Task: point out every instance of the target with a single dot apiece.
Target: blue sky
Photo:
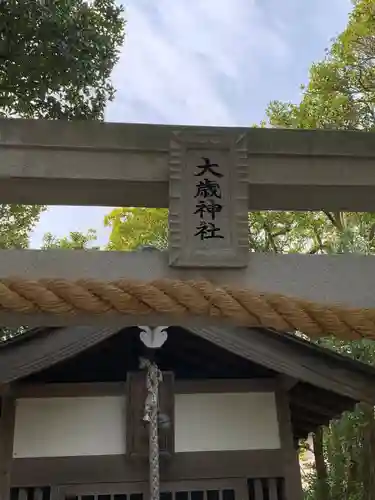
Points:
(207, 62)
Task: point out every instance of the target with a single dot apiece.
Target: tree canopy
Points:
(133, 227)
(56, 57)
(75, 241)
(16, 222)
(341, 89)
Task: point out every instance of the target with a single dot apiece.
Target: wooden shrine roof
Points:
(322, 384)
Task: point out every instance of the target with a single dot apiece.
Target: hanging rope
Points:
(182, 299)
(153, 379)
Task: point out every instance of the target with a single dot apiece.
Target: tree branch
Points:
(270, 237)
(330, 218)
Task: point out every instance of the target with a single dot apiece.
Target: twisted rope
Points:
(153, 379)
(184, 298)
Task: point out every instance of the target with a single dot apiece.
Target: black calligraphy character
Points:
(208, 167)
(207, 231)
(207, 188)
(209, 207)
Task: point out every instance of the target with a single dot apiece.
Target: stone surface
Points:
(116, 164)
(344, 279)
(208, 214)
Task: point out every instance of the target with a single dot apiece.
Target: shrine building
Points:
(234, 402)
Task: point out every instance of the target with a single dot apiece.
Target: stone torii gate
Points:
(209, 178)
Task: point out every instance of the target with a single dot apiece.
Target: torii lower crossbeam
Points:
(345, 280)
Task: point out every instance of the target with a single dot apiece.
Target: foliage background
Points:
(56, 63)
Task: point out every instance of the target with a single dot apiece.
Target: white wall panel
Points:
(218, 422)
(83, 426)
(72, 426)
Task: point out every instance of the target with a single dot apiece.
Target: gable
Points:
(321, 384)
(187, 355)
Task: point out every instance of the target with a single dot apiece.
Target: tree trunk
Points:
(368, 452)
(322, 488)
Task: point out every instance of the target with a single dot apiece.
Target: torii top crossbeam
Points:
(209, 178)
(110, 164)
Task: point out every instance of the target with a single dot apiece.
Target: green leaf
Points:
(56, 59)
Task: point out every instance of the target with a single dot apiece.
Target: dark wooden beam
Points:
(321, 408)
(68, 390)
(7, 416)
(137, 445)
(292, 475)
(117, 468)
(297, 359)
(48, 348)
(288, 382)
(312, 419)
(95, 389)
